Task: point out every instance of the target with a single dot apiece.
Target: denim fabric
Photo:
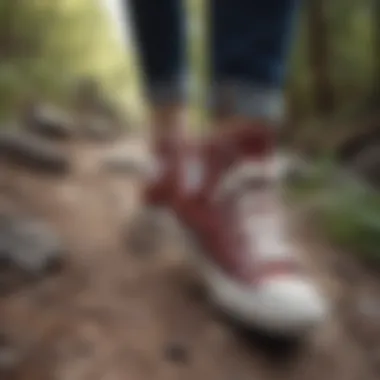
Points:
(249, 42)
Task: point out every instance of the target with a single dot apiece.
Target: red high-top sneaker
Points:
(229, 200)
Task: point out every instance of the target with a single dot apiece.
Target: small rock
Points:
(36, 247)
(364, 330)
(10, 356)
(347, 269)
(375, 356)
(177, 352)
(33, 153)
(50, 122)
(29, 244)
(146, 234)
(196, 292)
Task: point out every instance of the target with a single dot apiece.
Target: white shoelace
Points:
(266, 230)
(268, 235)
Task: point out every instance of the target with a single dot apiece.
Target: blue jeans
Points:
(249, 43)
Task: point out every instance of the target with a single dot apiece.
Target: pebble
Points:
(29, 244)
(177, 352)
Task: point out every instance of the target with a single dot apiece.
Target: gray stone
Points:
(35, 246)
(50, 122)
(177, 352)
(32, 153)
(29, 245)
(149, 232)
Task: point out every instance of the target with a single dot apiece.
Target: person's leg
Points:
(159, 32)
(251, 41)
(235, 210)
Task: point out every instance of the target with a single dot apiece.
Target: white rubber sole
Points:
(285, 306)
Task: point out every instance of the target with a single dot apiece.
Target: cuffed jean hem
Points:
(166, 93)
(255, 102)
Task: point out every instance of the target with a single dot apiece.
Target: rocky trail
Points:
(106, 312)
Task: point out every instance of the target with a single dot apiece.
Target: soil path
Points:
(115, 315)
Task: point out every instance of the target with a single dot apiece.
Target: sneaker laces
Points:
(248, 184)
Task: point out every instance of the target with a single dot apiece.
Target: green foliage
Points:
(345, 210)
(47, 44)
(351, 217)
(351, 47)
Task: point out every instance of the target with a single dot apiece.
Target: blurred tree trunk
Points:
(322, 89)
(375, 96)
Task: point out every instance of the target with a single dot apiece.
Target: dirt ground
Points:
(112, 314)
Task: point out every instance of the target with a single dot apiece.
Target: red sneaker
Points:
(229, 200)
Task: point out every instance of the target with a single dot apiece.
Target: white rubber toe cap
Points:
(290, 305)
(287, 305)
